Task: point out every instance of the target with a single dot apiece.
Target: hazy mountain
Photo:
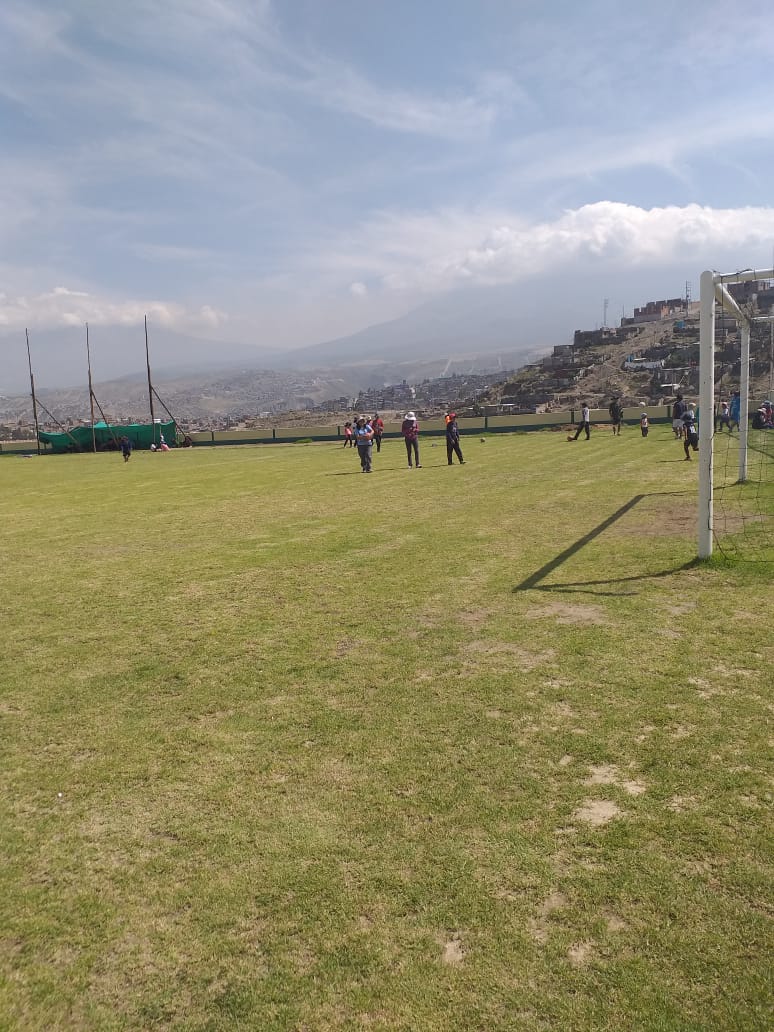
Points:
(478, 322)
(59, 356)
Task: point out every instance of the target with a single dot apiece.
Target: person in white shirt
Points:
(585, 423)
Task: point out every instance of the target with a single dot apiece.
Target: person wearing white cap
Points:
(410, 431)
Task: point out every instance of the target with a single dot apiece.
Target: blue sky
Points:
(285, 172)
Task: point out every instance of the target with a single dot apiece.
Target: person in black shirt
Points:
(690, 433)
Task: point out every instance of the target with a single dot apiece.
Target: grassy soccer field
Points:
(475, 748)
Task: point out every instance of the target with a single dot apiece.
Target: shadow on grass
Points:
(387, 469)
(533, 582)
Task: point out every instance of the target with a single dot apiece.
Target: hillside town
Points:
(648, 357)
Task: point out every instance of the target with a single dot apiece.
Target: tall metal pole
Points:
(32, 388)
(150, 384)
(744, 400)
(706, 422)
(91, 394)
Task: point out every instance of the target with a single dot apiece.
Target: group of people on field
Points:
(362, 433)
(126, 447)
(616, 411)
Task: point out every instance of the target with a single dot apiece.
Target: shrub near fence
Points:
(428, 428)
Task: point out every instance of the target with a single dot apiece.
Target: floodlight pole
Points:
(32, 388)
(706, 413)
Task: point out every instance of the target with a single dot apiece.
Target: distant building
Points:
(653, 311)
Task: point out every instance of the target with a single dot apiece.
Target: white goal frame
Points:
(713, 288)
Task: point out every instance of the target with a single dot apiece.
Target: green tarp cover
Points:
(142, 435)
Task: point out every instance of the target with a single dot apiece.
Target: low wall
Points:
(428, 427)
(20, 448)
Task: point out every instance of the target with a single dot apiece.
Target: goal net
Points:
(736, 420)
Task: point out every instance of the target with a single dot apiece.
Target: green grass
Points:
(444, 749)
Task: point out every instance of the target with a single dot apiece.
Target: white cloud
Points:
(65, 307)
(452, 249)
(358, 289)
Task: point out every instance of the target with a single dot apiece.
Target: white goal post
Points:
(713, 288)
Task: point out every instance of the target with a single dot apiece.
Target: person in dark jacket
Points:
(126, 448)
(690, 432)
(453, 439)
(410, 431)
(616, 415)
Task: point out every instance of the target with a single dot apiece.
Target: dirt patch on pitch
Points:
(609, 774)
(539, 926)
(474, 618)
(580, 953)
(514, 655)
(565, 613)
(597, 812)
(453, 951)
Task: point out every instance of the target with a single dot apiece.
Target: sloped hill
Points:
(596, 372)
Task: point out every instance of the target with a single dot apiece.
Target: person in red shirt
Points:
(377, 425)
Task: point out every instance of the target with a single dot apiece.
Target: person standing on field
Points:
(734, 408)
(616, 414)
(126, 448)
(364, 437)
(410, 430)
(644, 423)
(377, 425)
(690, 432)
(585, 423)
(678, 411)
(453, 439)
(724, 418)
